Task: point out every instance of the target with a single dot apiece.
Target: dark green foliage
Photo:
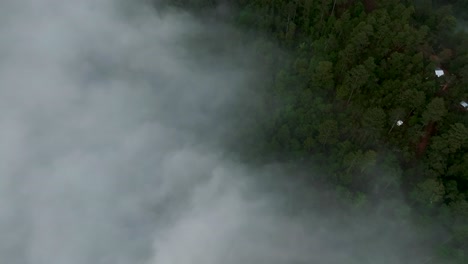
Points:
(356, 68)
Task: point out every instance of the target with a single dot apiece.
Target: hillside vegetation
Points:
(355, 93)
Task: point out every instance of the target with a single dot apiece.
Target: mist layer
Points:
(111, 121)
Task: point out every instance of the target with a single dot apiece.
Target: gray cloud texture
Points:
(111, 118)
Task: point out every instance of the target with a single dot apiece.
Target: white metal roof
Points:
(439, 72)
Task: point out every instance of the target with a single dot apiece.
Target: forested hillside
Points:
(355, 92)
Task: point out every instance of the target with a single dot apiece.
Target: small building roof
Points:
(439, 72)
(464, 104)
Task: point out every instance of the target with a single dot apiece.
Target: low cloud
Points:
(112, 119)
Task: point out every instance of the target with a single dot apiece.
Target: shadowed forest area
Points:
(352, 92)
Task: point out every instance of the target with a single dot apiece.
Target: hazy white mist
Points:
(111, 118)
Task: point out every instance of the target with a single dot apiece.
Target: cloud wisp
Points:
(110, 124)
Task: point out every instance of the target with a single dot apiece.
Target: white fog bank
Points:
(110, 119)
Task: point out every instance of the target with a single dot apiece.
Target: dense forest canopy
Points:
(355, 92)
